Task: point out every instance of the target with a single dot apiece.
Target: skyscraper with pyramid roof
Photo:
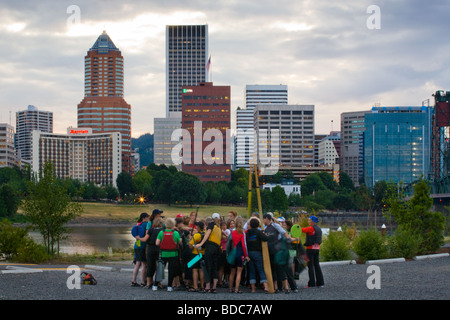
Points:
(104, 108)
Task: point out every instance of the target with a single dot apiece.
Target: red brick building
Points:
(103, 108)
(206, 116)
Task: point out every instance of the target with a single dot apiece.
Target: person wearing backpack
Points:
(185, 252)
(312, 243)
(152, 250)
(169, 242)
(137, 231)
(278, 252)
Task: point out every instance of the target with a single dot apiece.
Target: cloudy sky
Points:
(323, 50)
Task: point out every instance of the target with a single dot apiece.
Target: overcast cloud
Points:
(322, 50)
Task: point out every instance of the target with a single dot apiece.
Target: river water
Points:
(91, 239)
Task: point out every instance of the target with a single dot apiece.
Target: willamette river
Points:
(91, 239)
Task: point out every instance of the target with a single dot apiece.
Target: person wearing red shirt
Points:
(239, 242)
(312, 243)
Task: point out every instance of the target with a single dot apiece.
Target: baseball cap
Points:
(314, 219)
(180, 215)
(157, 211)
(281, 219)
(215, 215)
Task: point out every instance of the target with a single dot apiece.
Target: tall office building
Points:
(79, 154)
(397, 144)
(289, 141)
(7, 150)
(206, 117)
(329, 149)
(186, 60)
(254, 96)
(352, 128)
(27, 121)
(162, 140)
(186, 65)
(103, 108)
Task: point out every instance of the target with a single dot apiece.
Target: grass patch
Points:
(118, 255)
(121, 212)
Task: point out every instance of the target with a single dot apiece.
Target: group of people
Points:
(202, 255)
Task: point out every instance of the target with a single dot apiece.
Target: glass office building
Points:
(397, 144)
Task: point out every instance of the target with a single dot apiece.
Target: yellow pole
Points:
(250, 192)
(265, 248)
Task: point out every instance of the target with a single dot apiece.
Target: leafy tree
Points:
(111, 192)
(9, 201)
(345, 182)
(416, 215)
(328, 180)
(294, 200)
(312, 183)
(325, 198)
(162, 185)
(238, 195)
(142, 183)
(187, 188)
(124, 183)
(343, 200)
(212, 195)
(49, 207)
(89, 191)
(224, 190)
(279, 199)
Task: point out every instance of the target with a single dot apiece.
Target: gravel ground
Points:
(411, 280)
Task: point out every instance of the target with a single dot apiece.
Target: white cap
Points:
(281, 219)
(215, 215)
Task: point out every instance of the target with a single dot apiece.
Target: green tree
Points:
(224, 190)
(161, 186)
(187, 188)
(9, 201)
(49, 207)
(124, 183)
(142, 183)
(238, 195)
(328, 180)
(279, 199)
(111, 192)
(416, 215)
(345, 182)
(312, 183)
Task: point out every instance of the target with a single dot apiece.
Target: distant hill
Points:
(145, 145)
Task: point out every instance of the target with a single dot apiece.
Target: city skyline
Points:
(325, 53)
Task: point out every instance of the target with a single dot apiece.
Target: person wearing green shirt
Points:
(169, 242)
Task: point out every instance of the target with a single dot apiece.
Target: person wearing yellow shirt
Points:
(197, 270)
(212, 240)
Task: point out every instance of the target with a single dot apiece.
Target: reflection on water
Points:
(88, 240)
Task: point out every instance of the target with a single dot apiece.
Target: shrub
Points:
(335, 247)
(404, 243)
(17, 245)
(369, 245)
(11, 237)
(31, 252)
